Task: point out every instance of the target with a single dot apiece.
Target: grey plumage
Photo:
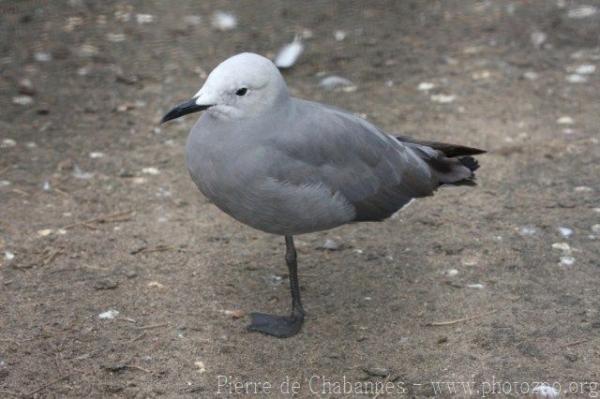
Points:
(289, 166)
(309, 167)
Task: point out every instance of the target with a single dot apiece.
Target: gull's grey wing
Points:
(347, 155)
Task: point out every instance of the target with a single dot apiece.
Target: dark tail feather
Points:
(470, 163)
(449, 150)
(452, 164)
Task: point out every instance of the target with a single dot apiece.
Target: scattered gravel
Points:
(289, 54)
(337, 82)
(109, 314)
(224, 21)
(329, 245)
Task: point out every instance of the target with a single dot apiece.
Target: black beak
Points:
(183, 109)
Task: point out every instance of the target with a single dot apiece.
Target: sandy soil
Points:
(476, 286)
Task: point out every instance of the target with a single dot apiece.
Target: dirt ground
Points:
(494, 288)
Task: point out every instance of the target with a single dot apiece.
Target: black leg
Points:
(283, 326)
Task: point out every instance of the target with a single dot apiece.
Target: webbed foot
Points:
(277, 326)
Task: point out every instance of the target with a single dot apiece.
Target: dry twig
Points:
(158, 248)
(112, 218)
(569, 344)
(451, 322)
(51, 254)
(142, 335)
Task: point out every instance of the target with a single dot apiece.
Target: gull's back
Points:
(373, 171)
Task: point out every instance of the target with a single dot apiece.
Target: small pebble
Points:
(41, 56)
(200, 365)
(307, 34)
(538, 38)
(567, 260)
(131, 273)
(334, 82)
(79, 174)
(585, 69)
(30, 144)
(565, 231)
(155, 284)
(46, 186)
(476, 286)
(235, 314)
(583, 11)
(472, 261)
(7, 143)
(115, 37)
(87, 50)
(144, 18)
(451, 272)
(527, 231)
(151, 171)
(109, 314)
(481, 75)
(289, 54)
(596, 229)
(106, 284)
(9, 255)
(139, 180)
(22, 100)
(531, 75)
(544, 391)
(561, 246)
(26, 87)
(443, 98)
(339, 35)
(425, 86)
(576, 78)
(44, 232)
(583, 189)
(4, 183)
(224, 21)
(330, 245)
(565, 120)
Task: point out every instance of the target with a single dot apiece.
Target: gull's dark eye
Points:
(241, 92)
